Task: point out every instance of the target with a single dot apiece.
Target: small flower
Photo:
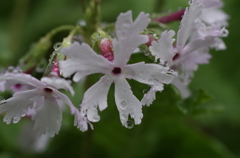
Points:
(43, 98)
(184, 56)
(82, 61)
(212, 13)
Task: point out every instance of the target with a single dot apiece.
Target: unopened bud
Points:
(177, 16)
(150, 39)
(106, 49)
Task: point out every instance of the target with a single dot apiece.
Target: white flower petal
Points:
(81, 121)
(66, 100)
(209, 3)
(149, 97)
(96, 96)
(17, 106)
(163, 48)
(214, 16)
(48, 117)
(83, 59)
(20, 78)
(151, 74)
(58, 83)
(182, 87)
(127, 103)
(2, 86)
(128, 38)
(187, 23)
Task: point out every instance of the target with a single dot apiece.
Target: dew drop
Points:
(2, 100)
(11, 69)
(145, 91)
(23, 114)
(96, 118)
(130, 124)
(15, 119)
(57, 46)
(123, 105)
(146, 53)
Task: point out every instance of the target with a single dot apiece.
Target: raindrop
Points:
(11, 69)
(23, 114)
(2, 100)
(96, 118)
(57, 46)
(51, 134)
(123, 105)
(130, 124)
(6, 120)
(15, 119)
(146, 53)
(190, 2)
(145, 91)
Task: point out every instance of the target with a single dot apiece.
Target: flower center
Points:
(48, 90)
(176, 56)
(116, 70)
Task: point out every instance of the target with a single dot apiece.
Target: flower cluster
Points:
(109, 54)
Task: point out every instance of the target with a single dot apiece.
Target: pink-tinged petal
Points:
(149, 97)
(58, 83)
(66, 100)
(17, 106)
(29, 140)
(163, 48)
(188, 23)
(81, 121)
(20, 78)
(128, 38)
(48, 117)
(209, 3)
(182, 87)
(82, 58)
(192, 60)
(151, 74)
(127, 103)
(96, 96)
(214, 16)
(2, 86)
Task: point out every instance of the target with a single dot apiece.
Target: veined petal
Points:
(127, 103)
(96, 96)
(187, 23)
(163, 48)
(151, 74)
(128, 38)
(83, 59)
(58, 83)
(48, 117)
(209, 3)
(17, 106)
(81, 121)
(182, 87)
(66, 100)
(20, 78)
(214, 16)
(149, 97)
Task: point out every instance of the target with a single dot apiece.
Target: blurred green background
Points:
(165, 132)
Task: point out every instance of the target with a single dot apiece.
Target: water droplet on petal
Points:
(15, 119)
(96, 118)
(123, 105)
(146, 53)
(2, 100)
(23, 114)
(10, 69)
(57, 46)
(145, 91)
(130, 124)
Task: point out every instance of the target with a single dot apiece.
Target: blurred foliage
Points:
(210, 128)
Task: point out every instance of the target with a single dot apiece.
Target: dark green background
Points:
(165, 132)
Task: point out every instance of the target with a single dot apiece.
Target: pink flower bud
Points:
(106, 49)
(177, 16)
(150, 39)
(55, 69)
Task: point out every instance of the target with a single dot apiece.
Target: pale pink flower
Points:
(43, 98)
(83, 61)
